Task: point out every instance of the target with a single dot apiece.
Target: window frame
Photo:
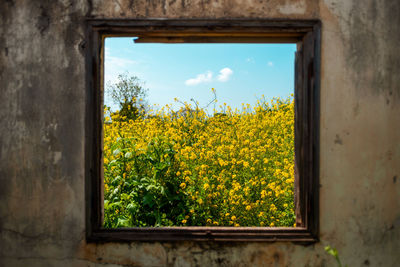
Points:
(307, 35)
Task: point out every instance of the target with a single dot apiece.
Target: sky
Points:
(240, 73)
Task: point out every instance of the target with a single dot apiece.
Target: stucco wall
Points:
(42, 104)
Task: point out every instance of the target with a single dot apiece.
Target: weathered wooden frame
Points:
(306, 33)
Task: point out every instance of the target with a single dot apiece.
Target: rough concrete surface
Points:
(42, 109)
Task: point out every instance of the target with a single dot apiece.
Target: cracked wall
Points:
(42, 104)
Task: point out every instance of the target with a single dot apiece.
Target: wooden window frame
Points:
(305, 33)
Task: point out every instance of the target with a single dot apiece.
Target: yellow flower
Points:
(184, 221)
(219, 155)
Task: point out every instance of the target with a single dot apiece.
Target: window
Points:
(198, 134)
(303, 33)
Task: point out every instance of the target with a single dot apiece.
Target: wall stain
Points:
(131, 2)
(356, 109)
(10, 2)
(43, 21)
(338, 140)
(370, 61)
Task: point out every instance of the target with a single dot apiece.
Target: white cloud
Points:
(224, 74)
(116, 65)
(200, 78)
(270, 63)
(250, 60)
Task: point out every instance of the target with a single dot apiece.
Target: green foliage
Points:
(335, 254)
(130, 95)
(146, 194)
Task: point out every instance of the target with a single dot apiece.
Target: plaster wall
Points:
(42, 107)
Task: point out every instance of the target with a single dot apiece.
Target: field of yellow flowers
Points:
(188, 168)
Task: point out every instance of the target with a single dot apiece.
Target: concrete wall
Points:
(42, 103)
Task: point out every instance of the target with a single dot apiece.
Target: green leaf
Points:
(115, 205)
(331, 251)
(144, 180)
(152, 160)
(156, 174)
(148, 200)
(149, 187)
(116, 152)
(116, 181)
(131, 208)
(122, 222)
(106, 204)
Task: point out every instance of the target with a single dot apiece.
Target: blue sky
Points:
(240, 73)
